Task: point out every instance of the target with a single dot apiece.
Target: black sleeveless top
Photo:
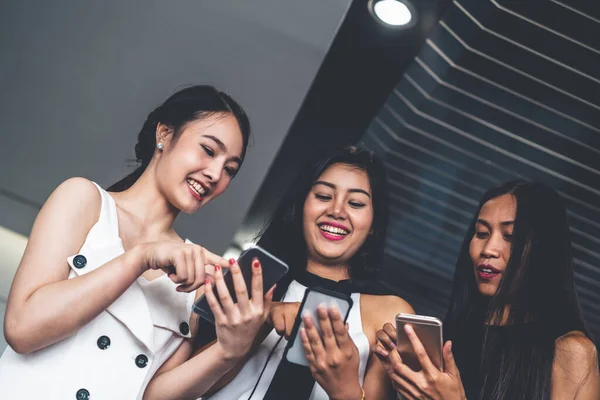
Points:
(479, 376)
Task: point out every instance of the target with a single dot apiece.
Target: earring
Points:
(159, 146)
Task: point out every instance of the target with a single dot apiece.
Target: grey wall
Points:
(78, 79)
(2, 340)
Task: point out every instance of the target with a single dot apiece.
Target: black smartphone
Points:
(273, 269)
(314, 297)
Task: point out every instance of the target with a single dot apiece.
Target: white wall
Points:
(12, 246)
(79, 78)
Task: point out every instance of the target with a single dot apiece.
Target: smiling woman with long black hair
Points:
(514, 320)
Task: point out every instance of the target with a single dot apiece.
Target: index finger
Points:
(420, 351)
(390, 330)
(213, 259)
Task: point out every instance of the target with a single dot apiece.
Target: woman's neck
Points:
(332, 272)
(145, 205)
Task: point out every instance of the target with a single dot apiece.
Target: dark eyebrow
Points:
(331, 185)
(222, 147)
(487, 224)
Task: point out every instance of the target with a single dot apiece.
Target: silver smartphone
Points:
(429, 331)
(294, 351)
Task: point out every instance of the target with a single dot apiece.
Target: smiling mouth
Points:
(487, 272)
(332, 232)
(197, 189)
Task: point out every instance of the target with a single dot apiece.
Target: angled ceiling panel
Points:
(500, 90)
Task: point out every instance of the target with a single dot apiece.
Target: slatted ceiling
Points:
(500, 90)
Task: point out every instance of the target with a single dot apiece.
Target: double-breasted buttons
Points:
(141, 361)
(103, 342)
(79, 261)
(82, 394)
(184, 328)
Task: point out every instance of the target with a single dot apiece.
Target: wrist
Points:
(352, 392)
(226, 356)
(135, 258)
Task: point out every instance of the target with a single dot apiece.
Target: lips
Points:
(197, 189)
(333, 231)
(487, 271)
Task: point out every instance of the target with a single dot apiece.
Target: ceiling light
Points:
(397, 13)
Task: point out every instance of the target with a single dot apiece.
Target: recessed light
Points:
(395, 13)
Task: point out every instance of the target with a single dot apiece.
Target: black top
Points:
(474, 371)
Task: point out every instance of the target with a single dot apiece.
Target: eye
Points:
(508, 237)
(481, 235)
(210, 152)
(323, 197)
(356, 204)
(230, 171)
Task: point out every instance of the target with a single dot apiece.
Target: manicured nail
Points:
(306, 317)
(408, 329)
(217, 267)
(206, 281)
(231, 261)
(255, 264)
(382, 351)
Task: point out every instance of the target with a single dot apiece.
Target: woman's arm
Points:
(281, 318)
(378, 311)
(45, 307)
(575, 369)
(236, 324)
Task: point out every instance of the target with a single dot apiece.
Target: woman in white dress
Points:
(330, 229)
(103, 293)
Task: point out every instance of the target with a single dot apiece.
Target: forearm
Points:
(233, 372)
(56, 310)
(191, 379)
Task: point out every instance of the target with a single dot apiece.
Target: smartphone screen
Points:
(294, 352)
(273, 269)
(429, 331)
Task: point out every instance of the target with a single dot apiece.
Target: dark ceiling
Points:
(499, 90)
(493, 91)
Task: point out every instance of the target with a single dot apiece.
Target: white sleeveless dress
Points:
(242, 385)
(117, 353)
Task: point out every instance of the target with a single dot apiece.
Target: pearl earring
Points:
(160, 146)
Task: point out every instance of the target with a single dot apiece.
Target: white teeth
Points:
(196, 186)
(333, 229)
(486, 270)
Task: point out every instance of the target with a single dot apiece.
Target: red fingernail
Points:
(231, 261)
(255, 264)
(217, 267)
(206, 281)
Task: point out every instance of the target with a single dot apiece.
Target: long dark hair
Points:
(183, 107)
(538, 310)
(283, 233)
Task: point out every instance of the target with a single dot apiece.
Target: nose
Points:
(491, 248)
(213, 171)
(337, 210)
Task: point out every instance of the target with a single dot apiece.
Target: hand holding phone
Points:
(237, 323)
(273, 269)
(429, 332)
(294, 351)
(415, 364)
